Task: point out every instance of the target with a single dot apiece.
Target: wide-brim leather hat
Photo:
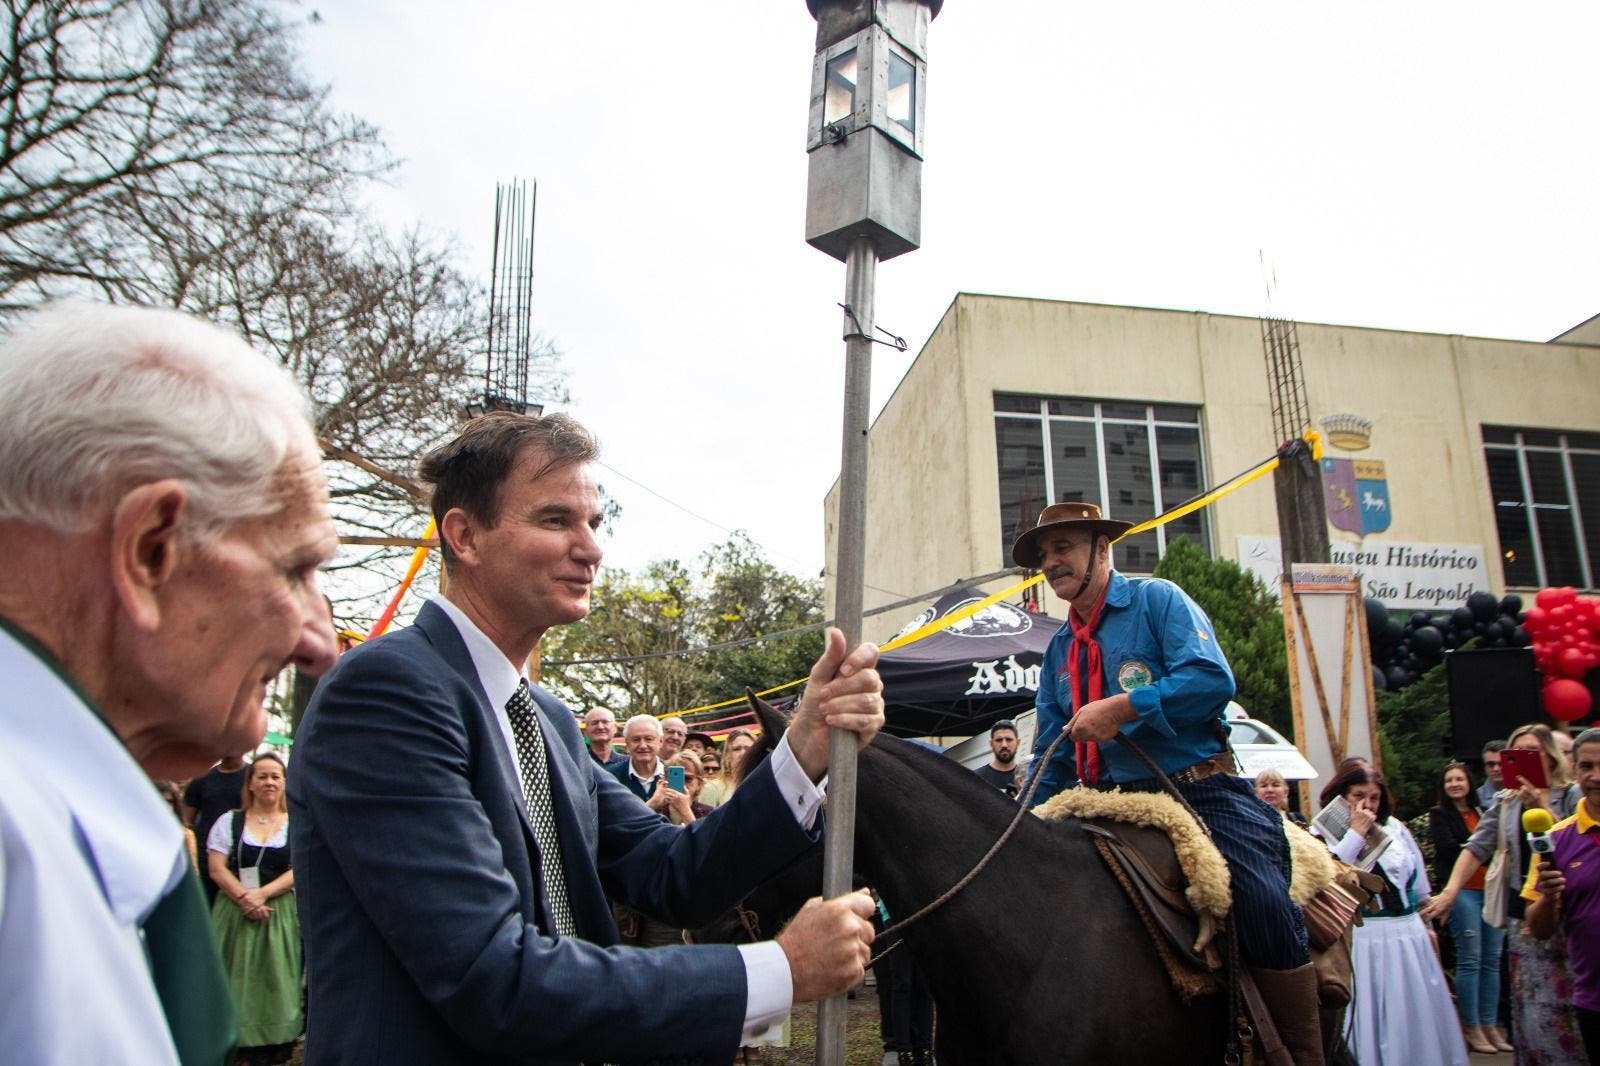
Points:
(1075, 515)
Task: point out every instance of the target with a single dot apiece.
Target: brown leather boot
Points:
(1291, 998)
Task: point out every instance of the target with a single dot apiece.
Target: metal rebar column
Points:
(861, 266)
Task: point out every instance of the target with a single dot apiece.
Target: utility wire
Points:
(718, 525)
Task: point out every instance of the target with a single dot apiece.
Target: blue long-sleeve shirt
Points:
(1157, 645)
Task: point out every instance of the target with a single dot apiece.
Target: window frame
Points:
(1043, 417)
(1495, 440)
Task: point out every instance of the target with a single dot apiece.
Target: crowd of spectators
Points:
(1401, 1012)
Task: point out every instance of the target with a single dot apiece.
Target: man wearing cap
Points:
(1138, 658)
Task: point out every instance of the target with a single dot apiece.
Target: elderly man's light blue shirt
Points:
(87, 850)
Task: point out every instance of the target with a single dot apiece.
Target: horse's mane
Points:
(904, 763)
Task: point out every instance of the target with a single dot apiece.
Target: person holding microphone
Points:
(1563, 886)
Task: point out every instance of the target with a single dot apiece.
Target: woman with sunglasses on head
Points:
(1544, 1028)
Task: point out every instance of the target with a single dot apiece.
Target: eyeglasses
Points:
(712, 765)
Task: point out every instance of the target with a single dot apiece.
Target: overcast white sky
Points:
(1426, 166)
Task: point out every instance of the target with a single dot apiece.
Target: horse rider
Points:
(1139, 658)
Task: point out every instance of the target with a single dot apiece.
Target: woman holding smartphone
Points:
(1545, 1029)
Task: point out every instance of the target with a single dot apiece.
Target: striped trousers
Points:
(1249, 833)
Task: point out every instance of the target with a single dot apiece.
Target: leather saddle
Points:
(1144, 863)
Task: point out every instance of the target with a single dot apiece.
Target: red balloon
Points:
(1571, 662)
(1548, 598)
(1535, 619)
(1562, 614)
(1566, 700)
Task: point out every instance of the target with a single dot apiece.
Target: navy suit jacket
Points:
(426, 927)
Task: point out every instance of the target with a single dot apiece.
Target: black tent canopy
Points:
(965, 677)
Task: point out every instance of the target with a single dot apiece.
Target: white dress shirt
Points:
(87, 849)
(769, 984)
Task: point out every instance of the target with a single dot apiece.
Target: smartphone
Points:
(675, 778)
(1523, 762)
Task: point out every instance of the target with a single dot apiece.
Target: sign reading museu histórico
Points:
(1404, 575)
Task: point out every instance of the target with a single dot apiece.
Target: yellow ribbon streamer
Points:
(1261, 470)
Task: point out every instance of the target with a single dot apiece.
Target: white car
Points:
(1260, 747)
(1256, 744)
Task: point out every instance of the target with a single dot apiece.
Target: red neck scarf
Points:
(1091, 678)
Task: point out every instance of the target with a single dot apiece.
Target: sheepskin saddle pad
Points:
(1172, 873)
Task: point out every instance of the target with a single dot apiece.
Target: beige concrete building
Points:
(1483, 469)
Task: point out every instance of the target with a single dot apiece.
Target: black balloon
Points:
(1494, 632)
(1419, 618)
(1451, 640)
(1377, 618)
(1512, 605)
(1483, 606)
(1395, 633)
(1519, 638)
(1462, 619)
(1379, 682)
(1427, 641)
(1396, 677)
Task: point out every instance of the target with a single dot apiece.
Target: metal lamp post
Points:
(863, 204)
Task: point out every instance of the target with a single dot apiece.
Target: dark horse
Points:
(1041, 959)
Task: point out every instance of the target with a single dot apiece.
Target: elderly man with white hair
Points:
(644, 770)
(162, 519)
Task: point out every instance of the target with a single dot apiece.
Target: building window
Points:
(1546, 487)
(1133, 459)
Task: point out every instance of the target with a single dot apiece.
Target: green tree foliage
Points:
(1414, 736)
(735, 595)
(1248, 623)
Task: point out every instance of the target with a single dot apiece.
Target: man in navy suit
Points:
(455, 844)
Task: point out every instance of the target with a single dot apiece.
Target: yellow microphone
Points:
(1536, 822)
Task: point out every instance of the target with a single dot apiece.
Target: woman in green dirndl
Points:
(257, 925)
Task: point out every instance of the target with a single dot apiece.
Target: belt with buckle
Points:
(1220, 763)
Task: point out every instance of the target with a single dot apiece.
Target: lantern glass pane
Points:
(902, 92)
(839, 88)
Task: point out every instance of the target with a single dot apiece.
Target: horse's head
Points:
(772, 722)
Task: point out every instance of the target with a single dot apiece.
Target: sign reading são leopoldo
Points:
(1405, 576)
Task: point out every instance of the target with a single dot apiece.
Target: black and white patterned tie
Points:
(535, 764)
